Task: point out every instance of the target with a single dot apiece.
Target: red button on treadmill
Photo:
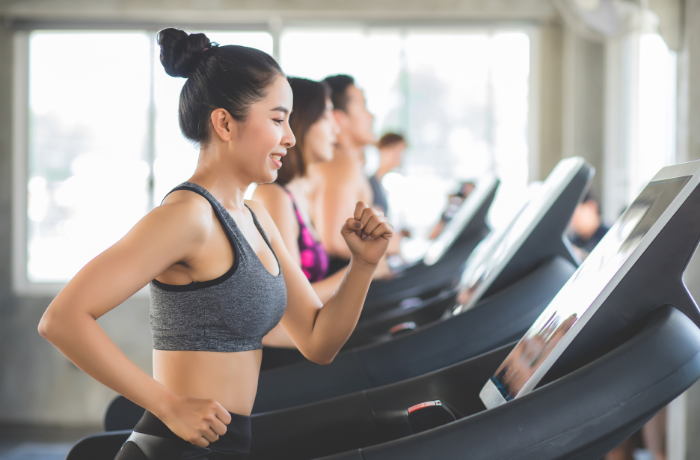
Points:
(424, 405)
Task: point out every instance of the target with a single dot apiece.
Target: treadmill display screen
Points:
(576, 297)
(478, 267)
(487, 261)
(454, 228)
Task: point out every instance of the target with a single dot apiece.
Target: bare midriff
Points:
(229, 378)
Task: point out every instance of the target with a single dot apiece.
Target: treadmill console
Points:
(591, 285)
(494, 253)
(482, 195)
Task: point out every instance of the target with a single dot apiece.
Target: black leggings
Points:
(153, 440)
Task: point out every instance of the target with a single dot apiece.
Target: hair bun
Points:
(180, 52)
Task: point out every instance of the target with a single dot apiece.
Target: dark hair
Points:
(339, 90)
(309, 104)
(227, 77)
(590, 196)
(390, 139)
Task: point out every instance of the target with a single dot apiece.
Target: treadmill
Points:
(503, 257)
(544, 263)
(616, 344)
(426, 281)
(444, 259)
(529, 265)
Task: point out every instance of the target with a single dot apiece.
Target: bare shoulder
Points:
(264, 218)
(261, 213)
(186, 211)
(271, 193)
(275, 201)
(341, 167)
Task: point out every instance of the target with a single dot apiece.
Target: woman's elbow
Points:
(322, 359)
(45, 326)
(48, 325)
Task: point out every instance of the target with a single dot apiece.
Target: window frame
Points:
(21, 285)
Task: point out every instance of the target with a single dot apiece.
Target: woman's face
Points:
(320, 139)
(263, 139)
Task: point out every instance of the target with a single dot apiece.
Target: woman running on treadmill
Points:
(288, 198)
(287, 202)
(221, 277)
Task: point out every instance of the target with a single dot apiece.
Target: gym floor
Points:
(19, 442)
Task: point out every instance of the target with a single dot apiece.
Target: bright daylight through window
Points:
(460, 97)
(104, 124)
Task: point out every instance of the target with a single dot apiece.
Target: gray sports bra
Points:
(230, 313)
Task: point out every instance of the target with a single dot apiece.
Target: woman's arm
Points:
(325, 288)
(166, 235)
(319, 333)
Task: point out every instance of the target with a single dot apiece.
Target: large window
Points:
(104, 144)
(88, 139)
(656, 112)
(461, 97)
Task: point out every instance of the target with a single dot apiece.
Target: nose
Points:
(288, 139)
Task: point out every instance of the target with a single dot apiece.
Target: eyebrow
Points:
(280, 109)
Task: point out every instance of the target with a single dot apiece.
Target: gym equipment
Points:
(506, 255)
(617, 343)
(426, 280)
(445, 258)
(544, 264)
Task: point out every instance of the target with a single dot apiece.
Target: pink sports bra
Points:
(314, 258)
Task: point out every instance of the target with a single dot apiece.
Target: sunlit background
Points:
(108, 124)
(90, 142)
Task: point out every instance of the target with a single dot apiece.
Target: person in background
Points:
(651, 436)
(341, 182)
(391, 147)
(287, 202)
(287, 199)
(454, 201)
(587, 225)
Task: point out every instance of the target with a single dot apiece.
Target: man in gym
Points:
(338, 184)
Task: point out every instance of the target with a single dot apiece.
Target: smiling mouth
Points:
(276, 157)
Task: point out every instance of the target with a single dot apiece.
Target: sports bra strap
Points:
(261, 230)
(214, 204)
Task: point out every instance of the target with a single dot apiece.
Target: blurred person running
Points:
(391, 147)
(341, 182)
(287, 201)
(587, 225)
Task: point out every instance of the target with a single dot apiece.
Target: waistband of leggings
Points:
(235, 440)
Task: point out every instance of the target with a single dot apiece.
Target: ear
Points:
(341, 118)
(224, 124)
